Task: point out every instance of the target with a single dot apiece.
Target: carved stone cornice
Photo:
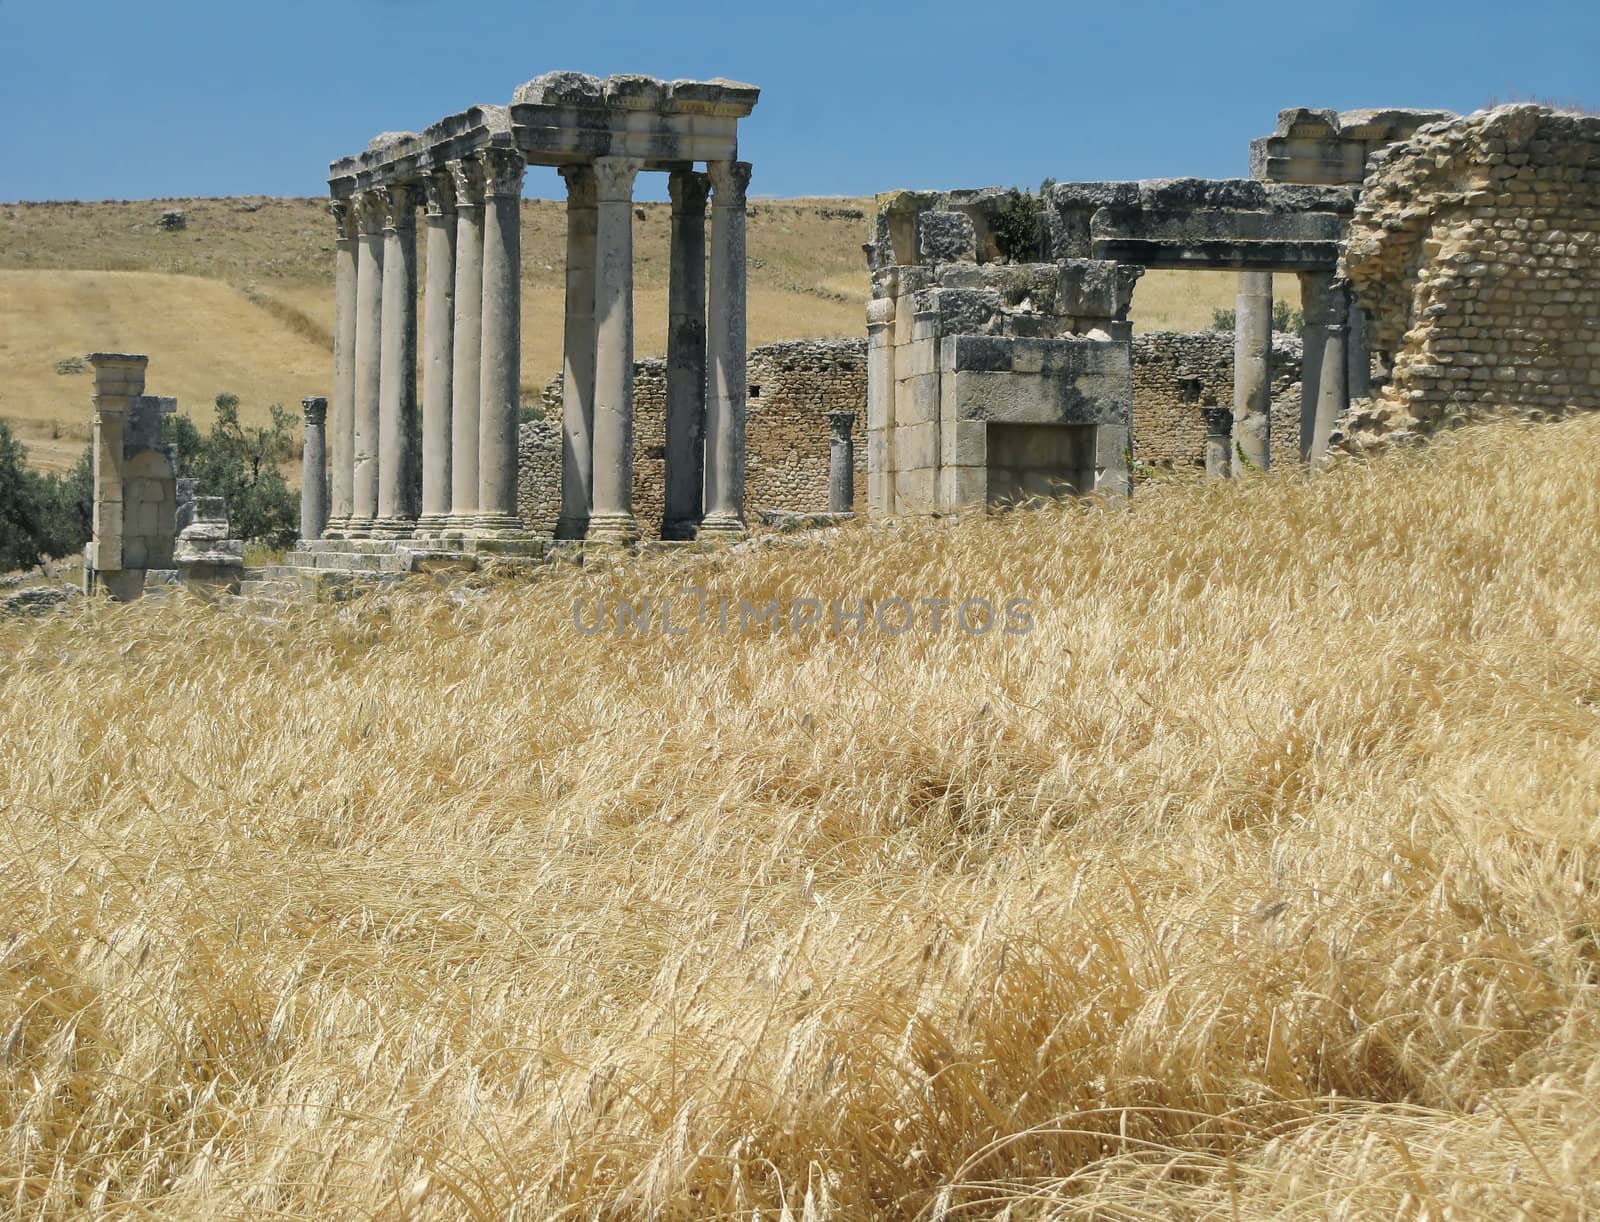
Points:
(689, 190)
(502, 171)
(730, 180)
(467, 177)
(614, 177)
(439, 192)
(580, 182)
(369, 209)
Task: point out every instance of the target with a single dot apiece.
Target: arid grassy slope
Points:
(242, 298)
(1261, 879)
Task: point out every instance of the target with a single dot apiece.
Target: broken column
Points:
(725, 353)
(1252, 373)
(686, 358)
(841, 462)
(612, 520)
(1219, 427)
(500, 362)
(314, 468)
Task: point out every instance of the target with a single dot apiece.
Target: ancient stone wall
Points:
(1177, 373)
(1476, 252)
(793, 387)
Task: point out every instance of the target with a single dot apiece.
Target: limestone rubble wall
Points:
(1177, 373)
(1475, 250)
(793, 386)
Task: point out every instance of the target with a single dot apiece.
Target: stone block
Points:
(947, 237)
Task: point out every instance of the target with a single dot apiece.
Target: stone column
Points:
(314, 469)
(397, 412)
(1318, 310)
(466, 345)
(342, 442)
(880, 404)
(725, 352)
(611, 520)
(1252, 373)
(683, 504)
(1359, 380)
(1219, 427)
(1333, 388)
(438, 342)
(841, 462)
(577, 374)
(500, 353)
(368, 351)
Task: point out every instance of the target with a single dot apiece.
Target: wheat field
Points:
(1260, 879)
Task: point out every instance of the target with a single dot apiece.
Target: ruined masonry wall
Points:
(1177, 373)
(1476, 251)
(793, 387)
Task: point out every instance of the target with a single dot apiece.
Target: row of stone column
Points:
(471, 361)
(1333, 367)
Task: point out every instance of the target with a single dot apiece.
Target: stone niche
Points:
(990, 382)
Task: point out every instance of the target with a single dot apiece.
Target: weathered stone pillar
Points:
(1333, 387)
(341, 443)
(118, 378)
(1359, 379)
(500, 359)
(1318, 309)
(397, 412)
(725, 352)
(841, 462)
(683, 504)
(368, 353)
(880, 405)
(314, 468)
(438, 338)
(1252, 373)
(577, 375)
(1219, 427)
(611, 520)
(467, 345)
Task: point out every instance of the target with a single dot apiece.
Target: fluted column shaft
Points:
(500, 360)
(467, 342)
(577, 377)
(342, 422)
(1252, 373)
(438, 337)
(684, 495)
(612, 520)
(314, 468)
(397, 413)
(725, 352)
(367, 375)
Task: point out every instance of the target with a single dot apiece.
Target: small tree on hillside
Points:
(19, 506)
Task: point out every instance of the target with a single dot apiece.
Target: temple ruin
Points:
(454, 479)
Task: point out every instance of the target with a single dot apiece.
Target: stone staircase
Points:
(342, 569)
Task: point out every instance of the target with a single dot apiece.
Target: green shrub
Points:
(241, 465)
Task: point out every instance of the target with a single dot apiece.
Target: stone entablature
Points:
(466, 173)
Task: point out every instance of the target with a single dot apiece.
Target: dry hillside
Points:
(241, 300)
(1261, 879)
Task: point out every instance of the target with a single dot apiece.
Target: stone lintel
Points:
(1220, 254)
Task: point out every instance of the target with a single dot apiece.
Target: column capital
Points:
(614, 178)
(729, 181)
(503, 169)
(581, 186)
(370, 207)
(841, 423)
(439, 194)
(400, 200)
(314, 409)
(466, 176)
(689, 190)
(343, 212)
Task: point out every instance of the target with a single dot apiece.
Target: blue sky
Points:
(140, 98)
